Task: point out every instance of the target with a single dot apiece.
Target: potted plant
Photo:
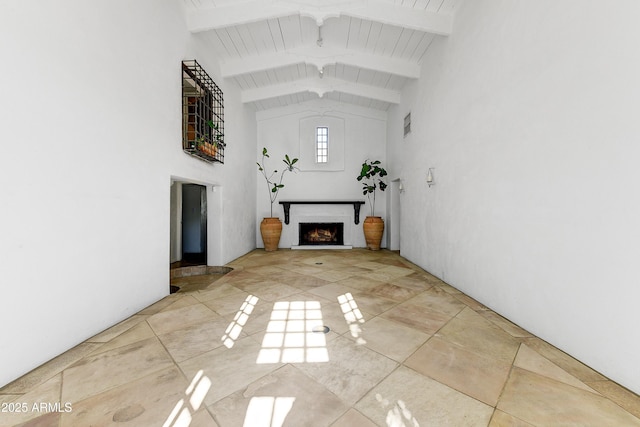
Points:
(271, 227)
(371, 176)
(209, 143)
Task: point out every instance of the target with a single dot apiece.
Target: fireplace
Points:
(321, 233)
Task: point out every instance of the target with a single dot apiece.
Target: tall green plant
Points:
(371, 176)
(272, 185)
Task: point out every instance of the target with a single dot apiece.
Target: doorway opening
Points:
(195, 230)
(194, 224)
(188, 238)
(188, 233)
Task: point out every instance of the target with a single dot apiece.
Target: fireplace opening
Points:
(321, 233)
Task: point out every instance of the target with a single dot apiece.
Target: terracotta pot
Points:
(271, 228)
(373, 228)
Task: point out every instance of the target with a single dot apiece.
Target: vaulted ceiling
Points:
(282, 52)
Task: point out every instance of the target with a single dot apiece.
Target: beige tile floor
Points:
(403, 349)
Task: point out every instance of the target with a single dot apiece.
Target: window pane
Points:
(322, 144)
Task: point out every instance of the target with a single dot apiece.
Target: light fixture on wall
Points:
(400, 186)
(430, 180)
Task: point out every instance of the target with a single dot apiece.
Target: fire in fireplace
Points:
(319, 233)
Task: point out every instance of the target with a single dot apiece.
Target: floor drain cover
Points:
(323, 329)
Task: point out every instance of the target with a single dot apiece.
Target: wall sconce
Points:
(400, 186)
(430, 180)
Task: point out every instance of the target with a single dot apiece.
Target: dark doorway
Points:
(194, 224)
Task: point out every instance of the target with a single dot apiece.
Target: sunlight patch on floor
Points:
(398, 415)
(232, 332)
(290, 336)
(352, 315)
(182, 413)
(268, 411)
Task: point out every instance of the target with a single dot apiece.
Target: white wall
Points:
(90, 141)
(364, 138)
(528, 113)
(175, 226)
(231, 214)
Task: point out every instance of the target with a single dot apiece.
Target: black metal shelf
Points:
(356, 206)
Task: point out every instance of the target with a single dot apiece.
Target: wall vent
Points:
(407, 124)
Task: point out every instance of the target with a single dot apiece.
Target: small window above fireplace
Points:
(322, 144)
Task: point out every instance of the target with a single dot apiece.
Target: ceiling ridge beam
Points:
(237, 14)
(320, 57)
(414, 19)
(320, 87)
(204, 19)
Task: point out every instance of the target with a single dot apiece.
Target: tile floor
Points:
(403, 349)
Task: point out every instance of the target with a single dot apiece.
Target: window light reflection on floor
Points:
(232, 332)
(352, 315)
(268, 411)
(399, 415)
(183, 413)
(290, 336)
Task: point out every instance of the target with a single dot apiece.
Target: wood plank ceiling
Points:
(283, 52)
